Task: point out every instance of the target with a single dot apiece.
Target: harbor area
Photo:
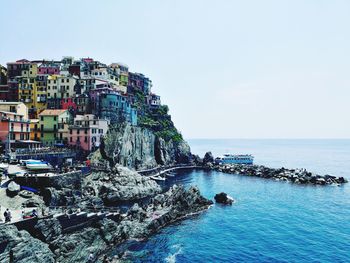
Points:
(23, 184)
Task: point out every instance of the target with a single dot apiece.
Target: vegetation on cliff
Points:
(157, 119)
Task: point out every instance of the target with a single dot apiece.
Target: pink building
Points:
(86, 132)
(13, 126)
(49, 69)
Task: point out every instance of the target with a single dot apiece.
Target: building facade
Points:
(54, 126)
(14, 123)
(86, 132)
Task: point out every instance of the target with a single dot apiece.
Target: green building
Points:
(54, 126)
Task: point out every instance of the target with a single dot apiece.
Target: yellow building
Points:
(34, 130)
(27, 88)
(40, 94)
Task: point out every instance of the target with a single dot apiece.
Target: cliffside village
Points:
(67, 103)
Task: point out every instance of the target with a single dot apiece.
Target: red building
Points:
(68, 104)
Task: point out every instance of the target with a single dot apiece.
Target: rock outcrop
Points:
(208, 158)
(223, 198)
(105, 234)
(21, 247)
(139, 148)
(119, 184)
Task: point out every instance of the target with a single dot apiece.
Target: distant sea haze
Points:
(271, 221)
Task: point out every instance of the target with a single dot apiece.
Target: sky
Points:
(227, 69)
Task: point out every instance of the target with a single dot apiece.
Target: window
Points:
(55, 118)
(85, 139)
(101, 130)
(71, 139)
(70, 131)
(86, 131)
(78, 131)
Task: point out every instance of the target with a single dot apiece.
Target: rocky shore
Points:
(51, 243)
(297, 176)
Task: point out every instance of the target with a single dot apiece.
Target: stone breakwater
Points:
(297, 176)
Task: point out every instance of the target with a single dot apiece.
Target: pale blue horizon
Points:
(227, 69)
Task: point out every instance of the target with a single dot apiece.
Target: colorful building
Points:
(40, 96)
(116, 108)
(123, 71)
(34, 130)
(22, 67)
(16, 107)
(59, 87)
(83, 104)
(139, 82)
(14, 123)
(49, 68)
(54, 126)
(86, 132)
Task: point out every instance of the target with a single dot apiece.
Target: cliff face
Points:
(138, 148)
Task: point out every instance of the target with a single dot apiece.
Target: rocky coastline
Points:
(51, 243)
(49, 240)
(296, 176)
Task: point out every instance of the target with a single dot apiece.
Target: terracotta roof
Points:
(52, 112)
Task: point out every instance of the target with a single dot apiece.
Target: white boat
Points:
(157, 178)
(235, 159)
(36, 165)
(39, 166)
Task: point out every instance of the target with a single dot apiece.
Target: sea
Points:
(271, 221)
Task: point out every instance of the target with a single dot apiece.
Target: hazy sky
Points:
(227, 69)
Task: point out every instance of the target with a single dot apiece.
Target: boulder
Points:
(48, 229)
(23, 247)
(223, 198)
(123, 184)
(13, 189)
(208, 158)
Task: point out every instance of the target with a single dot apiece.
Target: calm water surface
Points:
(271, 221)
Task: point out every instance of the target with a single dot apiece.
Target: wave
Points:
(172, 257)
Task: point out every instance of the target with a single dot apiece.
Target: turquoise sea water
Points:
(271, 221)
